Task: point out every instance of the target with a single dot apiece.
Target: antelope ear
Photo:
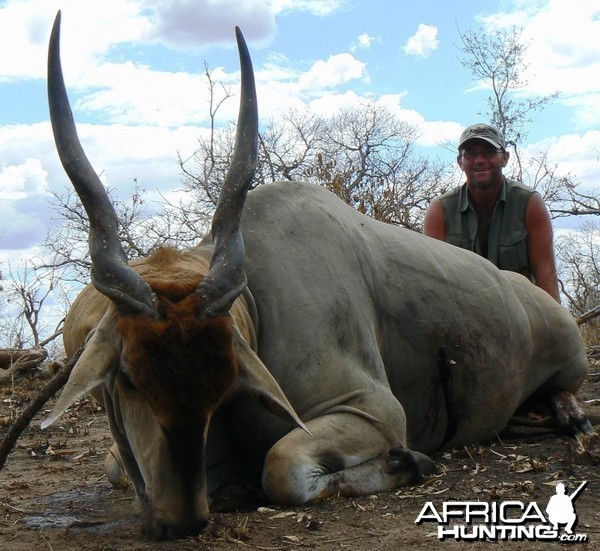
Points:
(256, 380)
(101, 351)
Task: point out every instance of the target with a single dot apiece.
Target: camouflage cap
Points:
(481, 131)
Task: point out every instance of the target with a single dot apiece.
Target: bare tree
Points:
(363, 154)
(290, 147)
(578, 254)
(203, 172)
(28, 291)
(140, 232)
(497, 60)
(369, 160)
(57, 277)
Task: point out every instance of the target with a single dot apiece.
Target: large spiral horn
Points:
(111, 274)
(226, 278)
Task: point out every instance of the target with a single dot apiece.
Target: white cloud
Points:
(146, 115)
(138, 95)
(20, 181)
(24, 221)
(338, 69)
(147, 155)
(23, 204)
(363, 42)
(189, 24)
(123, 91)
(30, 170)
(314, 7)
(330, 104)
(575, 154)
(281, 88)
(586, 109)
(423, 42)
(89, 29)
(138, 115)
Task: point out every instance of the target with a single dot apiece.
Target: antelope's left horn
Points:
(226, 278)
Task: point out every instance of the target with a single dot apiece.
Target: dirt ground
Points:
(54, 496)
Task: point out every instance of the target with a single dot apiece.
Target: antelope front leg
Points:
(569, 415)
(346, 455)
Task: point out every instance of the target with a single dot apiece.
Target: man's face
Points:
(482, 164)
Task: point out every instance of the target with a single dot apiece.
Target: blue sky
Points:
(134, 70)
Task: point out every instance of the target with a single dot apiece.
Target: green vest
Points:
(507, 239)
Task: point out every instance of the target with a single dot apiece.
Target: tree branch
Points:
(22, 422)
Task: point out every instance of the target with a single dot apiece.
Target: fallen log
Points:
(15, 361)
(8, 356)
(590, 314)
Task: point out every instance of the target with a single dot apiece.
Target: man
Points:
(493, 216)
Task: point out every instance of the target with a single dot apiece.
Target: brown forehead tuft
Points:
(183, 366)
(171, 273)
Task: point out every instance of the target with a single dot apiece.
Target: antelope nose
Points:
(161, 531)
(186, 529)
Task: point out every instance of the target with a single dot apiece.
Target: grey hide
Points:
(358, 315)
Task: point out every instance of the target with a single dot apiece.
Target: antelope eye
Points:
(124, 375)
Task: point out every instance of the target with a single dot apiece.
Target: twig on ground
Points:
(22, 422)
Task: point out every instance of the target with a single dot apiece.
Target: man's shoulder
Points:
(451, 192)
(519, 187)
